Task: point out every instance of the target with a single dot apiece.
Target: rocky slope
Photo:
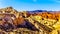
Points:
(29, 22)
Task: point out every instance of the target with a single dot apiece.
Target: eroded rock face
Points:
(8, 24)
(10, 19)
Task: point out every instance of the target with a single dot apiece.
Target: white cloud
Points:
(34, 0)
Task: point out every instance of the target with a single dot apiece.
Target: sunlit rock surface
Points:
(29, 22)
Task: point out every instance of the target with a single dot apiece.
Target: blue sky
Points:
(31, 4)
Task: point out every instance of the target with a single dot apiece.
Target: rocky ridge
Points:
(35, 22)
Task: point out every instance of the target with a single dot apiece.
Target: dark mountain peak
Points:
(10, 7)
